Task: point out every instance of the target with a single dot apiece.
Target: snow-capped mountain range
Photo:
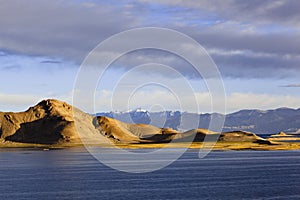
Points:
(257, 121)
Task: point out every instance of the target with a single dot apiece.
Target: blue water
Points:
(74, 174)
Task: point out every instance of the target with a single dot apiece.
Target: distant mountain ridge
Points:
(257, 121)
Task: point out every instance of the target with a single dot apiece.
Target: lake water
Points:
(74, 174)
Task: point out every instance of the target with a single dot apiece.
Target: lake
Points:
(74, 174)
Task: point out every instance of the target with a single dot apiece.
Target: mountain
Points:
(257, 121)
(49, 122)
(53, 122)
(270, 121)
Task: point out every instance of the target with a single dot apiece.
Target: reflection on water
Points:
(74, 174)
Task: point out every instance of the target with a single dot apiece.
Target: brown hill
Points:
(49, 122)
(239, 136)
(133, 133)
(281, 134)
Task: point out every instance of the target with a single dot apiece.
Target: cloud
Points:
(234, 101)
(17, 102)
(58, 28)
(265, 35)
(51, 62)
(238, 101)
(158, 98)
(257, 65)
(10, 68)
(291, 85)
(246, 38)
(268, 11)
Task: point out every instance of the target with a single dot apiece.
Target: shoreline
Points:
(219, 146)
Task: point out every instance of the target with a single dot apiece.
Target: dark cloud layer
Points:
(254, 11)
(245, 38)
(58, 28)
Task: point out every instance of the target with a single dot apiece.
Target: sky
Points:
(254, 44)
